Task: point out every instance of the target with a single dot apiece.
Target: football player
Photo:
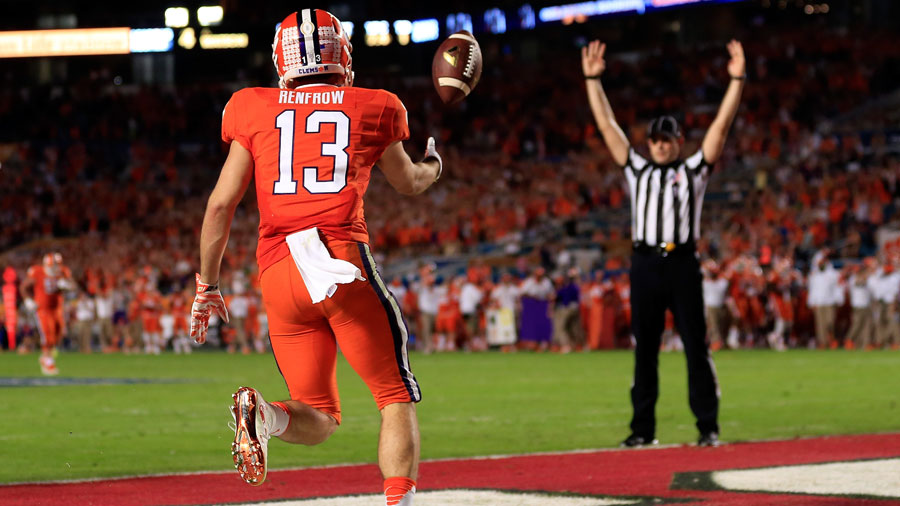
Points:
(45, 282)
(310, 145)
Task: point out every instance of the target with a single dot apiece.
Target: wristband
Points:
(738, 78)
(432, 154)
(596, 76)
(440, 169)
(203, 287)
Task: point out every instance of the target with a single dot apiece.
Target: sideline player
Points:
(46, 280)
(666, 200)
(311, 146)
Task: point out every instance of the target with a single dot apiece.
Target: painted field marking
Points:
(38, 381)
(463, 498)
(868, 478)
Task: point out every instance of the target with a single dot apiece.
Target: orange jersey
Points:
(46, 288)
(313, 150)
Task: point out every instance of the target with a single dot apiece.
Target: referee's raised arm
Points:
(593, 65)
(714, 141)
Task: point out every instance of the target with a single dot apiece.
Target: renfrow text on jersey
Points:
(313, 98)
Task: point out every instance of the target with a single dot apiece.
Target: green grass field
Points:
(474, 404)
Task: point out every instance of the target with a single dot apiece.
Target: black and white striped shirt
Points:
(666, 200)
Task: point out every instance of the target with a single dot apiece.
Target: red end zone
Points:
(654, 475)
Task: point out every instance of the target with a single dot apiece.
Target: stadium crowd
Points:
(115, 179)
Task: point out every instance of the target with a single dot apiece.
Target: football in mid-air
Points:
(456, 67)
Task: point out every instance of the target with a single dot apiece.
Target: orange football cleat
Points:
(251, 436)
(848, 345)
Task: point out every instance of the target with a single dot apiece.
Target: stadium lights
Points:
(177, 17)
(526, 17)
(459, 21)
(569, 12)
(348, 27)
(72, 42)
(187, 39)
(151, 40)
(671, 3)
(425, 30)
(378, 33)
(210, 15)
(495, 21)
(403, 29)
(223, 40)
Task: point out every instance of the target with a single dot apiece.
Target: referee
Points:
(666, 200)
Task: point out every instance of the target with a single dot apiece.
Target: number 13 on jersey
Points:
(286, 184)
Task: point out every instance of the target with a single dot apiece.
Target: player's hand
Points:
(592, 62)
(432, 154)
(207, 301)
(737, 66)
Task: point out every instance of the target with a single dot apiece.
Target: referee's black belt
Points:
(664, 249)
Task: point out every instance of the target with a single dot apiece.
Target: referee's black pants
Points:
(672, 282)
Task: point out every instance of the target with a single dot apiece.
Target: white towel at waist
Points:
(319, 270)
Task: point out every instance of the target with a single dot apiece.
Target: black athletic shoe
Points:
(635, 441)
(709, 439)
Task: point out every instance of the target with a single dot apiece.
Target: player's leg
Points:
(49, 327)
(398, 443)
(307, 359)
(305, 352)
(373, 336)
(306, 355)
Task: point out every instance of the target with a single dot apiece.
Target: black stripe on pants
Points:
(659, 283)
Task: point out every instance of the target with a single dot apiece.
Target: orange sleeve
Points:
(231, 116)
(395, 123)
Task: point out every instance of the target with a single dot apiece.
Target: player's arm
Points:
(233, 180)
(27, 286)
(714, 142)
(405, 176)
(593, 65)
(66, 281)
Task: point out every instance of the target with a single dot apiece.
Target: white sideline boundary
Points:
(447, 459)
